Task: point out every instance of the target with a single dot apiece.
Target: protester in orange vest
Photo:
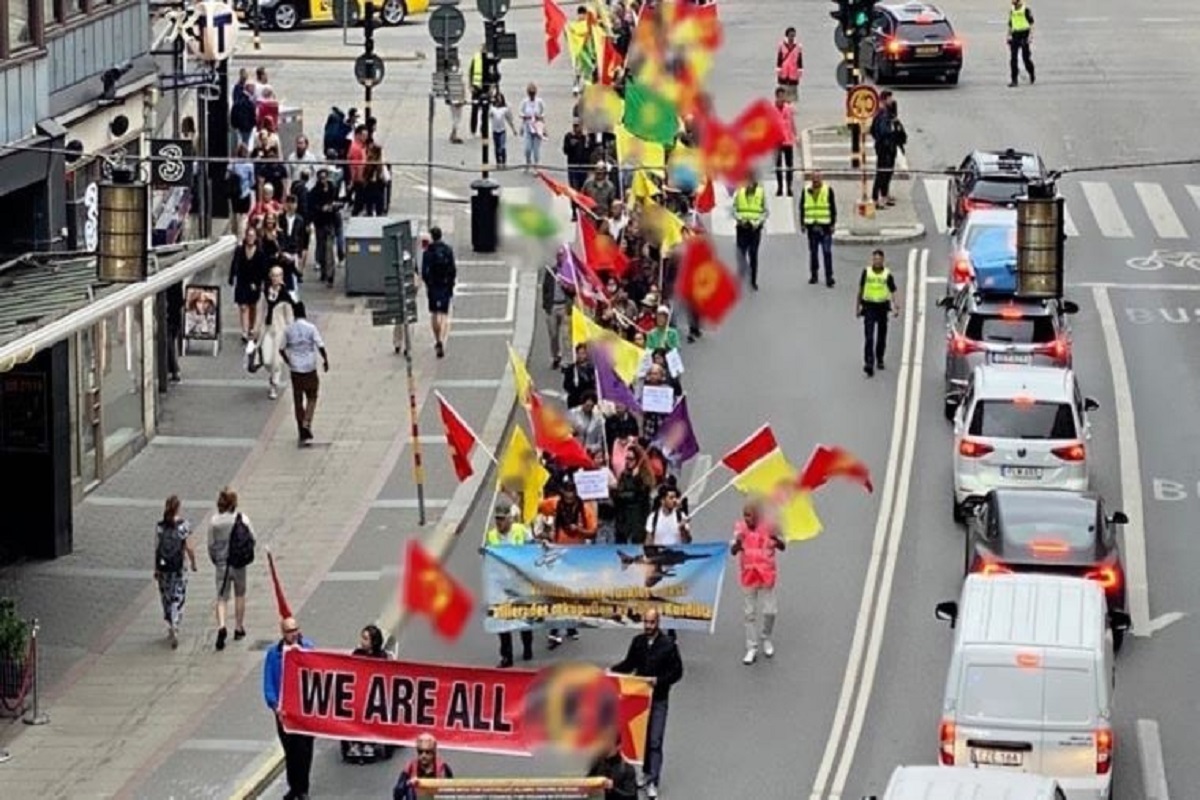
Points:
(755, 540)
(572, 522)
(789, 63)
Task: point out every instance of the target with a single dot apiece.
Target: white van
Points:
(1031, 679)
(956, 783)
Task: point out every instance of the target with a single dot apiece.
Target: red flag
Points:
(600, 252)
(459, 437)
(722, 152)
(610, 62)
(706, 201)
(430, 590)
(704, 282)
(760, 129)
(552, 434)
(554, 23)
(703, 22)
(285, 610)
(833, 462)
(563, 190)
(760, 444)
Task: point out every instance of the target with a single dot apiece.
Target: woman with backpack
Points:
(231, 550)
(172, 543)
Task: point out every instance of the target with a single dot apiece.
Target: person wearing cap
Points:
(600, 188)
(507, 533)
(663, 335)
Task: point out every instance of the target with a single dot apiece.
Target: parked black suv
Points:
(911, 40)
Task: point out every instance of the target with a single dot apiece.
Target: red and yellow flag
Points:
(430, 590)
(704, 283)
(833, 462)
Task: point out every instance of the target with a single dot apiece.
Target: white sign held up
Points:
(658, 399)
(591, 484)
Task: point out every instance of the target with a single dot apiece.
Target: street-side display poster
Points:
(602, 586)
(503, 711)
(202, 312)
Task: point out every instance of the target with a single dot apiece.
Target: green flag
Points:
(531, 220)
(649, 116)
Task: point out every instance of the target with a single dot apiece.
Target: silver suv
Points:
(1020, 427)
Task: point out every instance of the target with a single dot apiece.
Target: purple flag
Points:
(676, 437)
(566, 269)
(609, 385)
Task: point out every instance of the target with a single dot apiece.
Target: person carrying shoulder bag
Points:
(231, 549)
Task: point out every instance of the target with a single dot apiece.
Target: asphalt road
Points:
(856, 685)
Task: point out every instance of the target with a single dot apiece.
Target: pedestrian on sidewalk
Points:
(425, 765)
(247, 271)
(301, 344)
(818, 217)
(370, 645)
(755, 542)
(239, 185)
(275, 314)
(785, 153)
(876, 297)
(653, 655)
(883, 133)
(533, 126)
(327, 217)
(227, 551)
(502, 123)
(172, 546)
(439, 273)
(507, 533)
(555, 302)
(297, 747)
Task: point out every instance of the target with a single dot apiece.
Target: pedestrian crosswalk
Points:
(1108, 209)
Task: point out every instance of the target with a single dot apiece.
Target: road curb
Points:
(906, 233)
(902, 173)
(462, 504)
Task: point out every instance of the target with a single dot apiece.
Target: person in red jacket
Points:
(756, 540)
(789, 64)
(425, 765)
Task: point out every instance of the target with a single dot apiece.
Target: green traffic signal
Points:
(860, 19)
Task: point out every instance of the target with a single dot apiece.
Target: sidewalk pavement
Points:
(827, 148)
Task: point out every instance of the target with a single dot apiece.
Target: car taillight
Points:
(971, 205)
(1108, 577)
(947, 733)
(993, 568)
(962, 346)
(1104, 750)
(961, 272)
(894, 47)
(973, 449)
(1059, 349)
(954, 44)
(1071, 452)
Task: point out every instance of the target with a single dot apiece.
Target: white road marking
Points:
(440, 195)
(254, 746)
(109, 501)
(1158, 207)
(409, 503)
(467, 383)
(1154, 770)
(937, 190)
(895, 529)
(1068, 223)
(850, 679)
(937, 280)
(1106, 210)
(721, 221)
(202, 441)
(1136, 577)
(1194, 192)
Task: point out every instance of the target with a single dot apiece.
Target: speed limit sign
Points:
(861, 103)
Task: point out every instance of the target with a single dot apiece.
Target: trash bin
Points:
(485, 216)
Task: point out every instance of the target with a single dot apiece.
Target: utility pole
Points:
(368, 51)
(498, 44)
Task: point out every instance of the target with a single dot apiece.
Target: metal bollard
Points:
(36, 717)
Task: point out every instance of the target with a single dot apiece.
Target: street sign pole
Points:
(368, 49)
(429, 165)
(415, 441)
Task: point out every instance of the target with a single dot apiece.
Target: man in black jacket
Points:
(577, 149)
(439, 273)
(883, 134)
(579, 378)
(612, 765)
(293, 244)
(326, 213)
(653, 654)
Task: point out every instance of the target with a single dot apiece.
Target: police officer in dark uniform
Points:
(875, 299)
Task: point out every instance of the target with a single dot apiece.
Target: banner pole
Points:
(712, 497)
(707, 474)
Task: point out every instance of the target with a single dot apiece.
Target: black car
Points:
(911, 40)
(992, 179)
(1040, 530)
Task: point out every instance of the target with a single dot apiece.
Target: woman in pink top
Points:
(784, 154)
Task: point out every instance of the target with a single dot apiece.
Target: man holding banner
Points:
(509, 533)
(297, 747)
(425, 765)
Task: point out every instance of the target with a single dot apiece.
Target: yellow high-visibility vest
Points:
(875, 286)
(477, 71)
(750, 206)
(1017, 21)
(817, 209)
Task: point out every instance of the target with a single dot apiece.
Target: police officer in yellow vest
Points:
(1020, 29)
(750, 212)
(507, 533)
(876, 297)
(478, 93)
(818, 217)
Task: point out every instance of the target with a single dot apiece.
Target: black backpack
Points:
(168, 552)
(241, 545)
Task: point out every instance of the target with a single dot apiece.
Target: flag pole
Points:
(696, 483)
(478, 442)
(713, 496)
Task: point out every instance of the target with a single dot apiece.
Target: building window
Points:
(50, 9)
(20, 32)
(120, 351)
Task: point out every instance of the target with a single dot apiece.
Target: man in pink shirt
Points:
(785, 153)
(755, 541)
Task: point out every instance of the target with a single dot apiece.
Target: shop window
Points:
(20, 27)
(121, 387)
(50, 12)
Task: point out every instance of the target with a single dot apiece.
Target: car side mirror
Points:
(1090, 404)
(947, 611)
(945, 302)
(1118, 518)
(1119, 621)
(1070, 307)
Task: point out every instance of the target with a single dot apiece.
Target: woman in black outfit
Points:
(247, 272)
(370, 645)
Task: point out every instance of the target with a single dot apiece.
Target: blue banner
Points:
(602, 586)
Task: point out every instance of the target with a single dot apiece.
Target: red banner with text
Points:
(503, 711)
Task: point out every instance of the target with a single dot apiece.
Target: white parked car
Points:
(1020, 427)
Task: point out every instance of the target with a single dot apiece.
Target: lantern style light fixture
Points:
(1040, 239)
(123, 252)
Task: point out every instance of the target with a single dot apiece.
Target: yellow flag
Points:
(601, 108)
(667, 225)
(642, 187)
(521, 471)
(581, 326)
(626, 356)
(577, 37)
(521, 376)
(798, 520)
(765, 475)
(632, 151)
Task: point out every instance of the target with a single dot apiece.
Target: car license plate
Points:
(997, 758)
(1026, 473)
(929, 51)
(1010, 358)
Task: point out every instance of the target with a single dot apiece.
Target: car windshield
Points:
(1020, 330)
(995, 692)
(992, 235)
(999, 190)
(1008, 419)
(923, 31)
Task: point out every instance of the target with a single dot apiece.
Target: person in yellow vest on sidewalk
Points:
(876, 297)
(1020, 31)
(818, 217)
(507, 533)
(750, 212)
(476, 73)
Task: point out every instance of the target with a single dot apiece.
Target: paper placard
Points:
(658, 399)
(675, 363)
(591, 484)
(644, 364)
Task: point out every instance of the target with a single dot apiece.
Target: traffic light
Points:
(841, 13)
(858, 17)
